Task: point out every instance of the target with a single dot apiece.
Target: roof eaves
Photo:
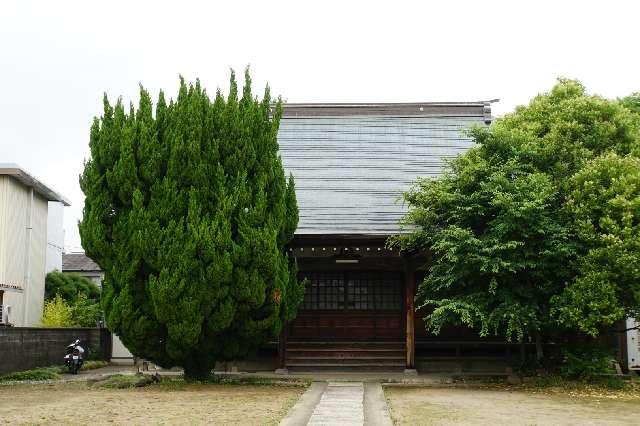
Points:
(15, 171)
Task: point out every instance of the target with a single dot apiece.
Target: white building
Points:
(25, 238)
(633, 344)
(55, 236)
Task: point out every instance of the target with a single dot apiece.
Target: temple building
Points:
(351, 164)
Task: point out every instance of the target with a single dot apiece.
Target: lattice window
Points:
(325, 290)
(368, 291)
(373, 291)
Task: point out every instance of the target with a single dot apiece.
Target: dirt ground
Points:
(76, 403)
(446, 406)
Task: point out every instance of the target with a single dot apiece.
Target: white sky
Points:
(57, 58)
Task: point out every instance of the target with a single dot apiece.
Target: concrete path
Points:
(302, 411)
(340, 403)
(376, 412)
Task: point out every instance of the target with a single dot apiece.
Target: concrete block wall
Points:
(23, 348)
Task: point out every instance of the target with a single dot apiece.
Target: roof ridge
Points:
(382, 104)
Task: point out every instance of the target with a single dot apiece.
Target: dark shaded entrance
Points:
(350, 305)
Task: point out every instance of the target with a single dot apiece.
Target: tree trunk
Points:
(539, 351)
(196, 371)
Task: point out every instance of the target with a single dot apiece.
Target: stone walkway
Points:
(340, 403)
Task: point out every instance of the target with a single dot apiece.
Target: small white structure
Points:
(24, 213)
(633, 344)
(79, 263)
(119, 352)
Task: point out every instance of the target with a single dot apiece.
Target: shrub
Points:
(92, 365)
(121, 381)
(57, 313)
(586, 362)
(85, 312)
(43, 373)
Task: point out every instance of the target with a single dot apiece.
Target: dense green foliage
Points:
(42, 373)
(69, 286)
(71, 300)
(604, 204)
(187, 211)
(83, 312)
(56, 313)
(536, 227)
(587, 362)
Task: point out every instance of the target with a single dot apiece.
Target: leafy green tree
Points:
(69, 286)
(632, 102)
(501, 227)
(605, 205)
(187, 211)
(85, 312)
(57, 313)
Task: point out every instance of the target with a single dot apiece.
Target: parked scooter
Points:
(74, 357)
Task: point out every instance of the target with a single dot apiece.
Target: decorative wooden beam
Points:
(342, 251)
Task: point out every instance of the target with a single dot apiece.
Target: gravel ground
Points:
(77, 403)
(454, 406)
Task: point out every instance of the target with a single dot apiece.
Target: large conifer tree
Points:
(187, 211)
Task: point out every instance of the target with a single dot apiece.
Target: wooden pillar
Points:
(410, 285)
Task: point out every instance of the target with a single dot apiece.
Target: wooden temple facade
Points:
(351, 163)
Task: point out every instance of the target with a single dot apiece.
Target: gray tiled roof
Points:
(78, 262)
(352, 166)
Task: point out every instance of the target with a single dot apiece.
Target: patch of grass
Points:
(408, 407)
(252, 380)
(548, 381)
(236, 379)
(92, 365)
(611, 382)
(178, 383)
(605, 386)
(121, 381)
(47, 373)
(43, 373)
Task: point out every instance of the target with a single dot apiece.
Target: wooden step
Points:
(346, 367)
(347, 345)
(363, 358)
(349, 365)
(345, 353)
